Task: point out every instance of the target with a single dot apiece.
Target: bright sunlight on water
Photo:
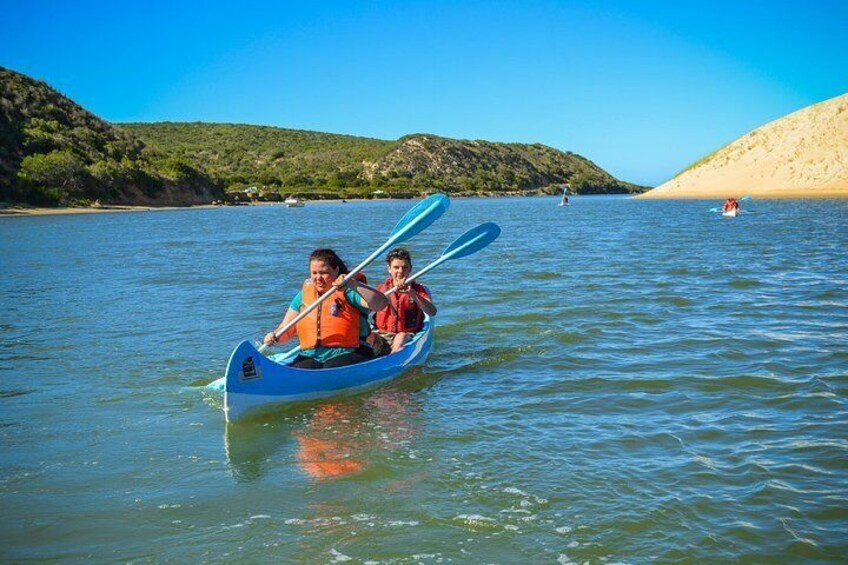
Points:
(616, 381)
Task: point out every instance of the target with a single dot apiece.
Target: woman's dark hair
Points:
(329, 257)
(399, 253)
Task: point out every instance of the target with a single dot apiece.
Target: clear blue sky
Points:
(642, 88)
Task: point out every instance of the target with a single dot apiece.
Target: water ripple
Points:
(616, 382)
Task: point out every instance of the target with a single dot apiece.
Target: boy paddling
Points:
(404, 316)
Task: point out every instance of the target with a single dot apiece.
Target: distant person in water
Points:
(330, 335)
(404, 316)
(730, 205)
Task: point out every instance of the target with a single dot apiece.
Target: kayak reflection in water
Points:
(345, 438)
(329, 335)
(329, 441)
(323, 455)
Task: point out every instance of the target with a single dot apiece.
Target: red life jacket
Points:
(334, 323)
(409, 317)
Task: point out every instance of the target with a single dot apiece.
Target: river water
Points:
(616, 381)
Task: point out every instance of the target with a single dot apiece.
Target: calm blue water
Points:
(618, 381)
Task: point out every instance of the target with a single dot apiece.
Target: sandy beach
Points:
(741, 189)
(18, 210)
(13, 210)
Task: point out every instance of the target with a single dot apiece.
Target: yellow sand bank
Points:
(802, 155)
(741, 190)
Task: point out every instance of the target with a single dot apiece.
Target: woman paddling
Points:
(330, 335)
(408, 304)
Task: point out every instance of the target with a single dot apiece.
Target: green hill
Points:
(329, 165)
(278, 159)
(53, 151)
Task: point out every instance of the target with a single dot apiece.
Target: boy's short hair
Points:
(399, 253)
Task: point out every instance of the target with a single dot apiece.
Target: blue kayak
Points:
(254, 382)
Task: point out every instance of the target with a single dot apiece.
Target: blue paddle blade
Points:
(473, 240)
(421, 216)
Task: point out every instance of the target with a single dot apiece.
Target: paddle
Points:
(470, 242)
(414, 222)
(719, 208)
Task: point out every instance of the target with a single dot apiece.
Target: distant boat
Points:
(294, 202)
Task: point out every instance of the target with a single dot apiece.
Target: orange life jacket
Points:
(409, 317)
(334, 323)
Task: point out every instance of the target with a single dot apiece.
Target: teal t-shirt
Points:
(323, 354)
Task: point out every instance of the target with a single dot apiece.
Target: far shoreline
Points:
(22, 210)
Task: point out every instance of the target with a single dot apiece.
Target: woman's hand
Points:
(339, 283)
(270, 338)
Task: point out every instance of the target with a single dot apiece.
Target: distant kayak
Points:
(731, 207)
(255, 383)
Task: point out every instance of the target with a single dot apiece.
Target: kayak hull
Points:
(730, 213)
(255, 383)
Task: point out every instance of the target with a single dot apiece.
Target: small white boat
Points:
(731, 213)
(294, 202)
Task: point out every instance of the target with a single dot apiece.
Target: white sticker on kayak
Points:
(250, 371)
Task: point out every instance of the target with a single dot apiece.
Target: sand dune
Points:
(802, 155)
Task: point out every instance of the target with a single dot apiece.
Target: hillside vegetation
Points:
(53, 151)
(274, 158)
(314, 164)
